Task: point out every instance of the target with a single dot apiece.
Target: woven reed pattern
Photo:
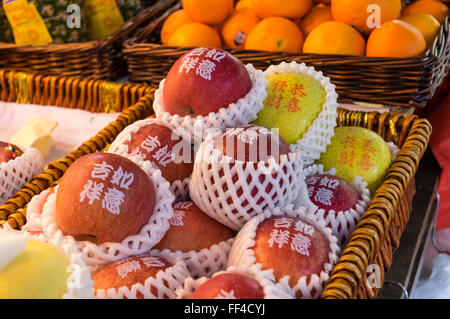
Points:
(378, 233)
(407, 82)
(91, 95)
(101, 59)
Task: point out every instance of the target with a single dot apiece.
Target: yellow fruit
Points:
(275, 34)
(437, 9)
(173, 22)
(396, 39)
(334, 37)
(195, 35)
(359, 13)
(39, 272)
(237, 27)
(315, 16)
(426, 24)
(291, 9)
(210, 12)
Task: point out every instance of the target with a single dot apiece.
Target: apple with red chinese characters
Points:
(130, 272)
(104, 197)
(192, 230)
(299, 250)
(9, 152)
(229, 285)
(357, 151)
(292, 104)
(161, 146)
(203, 81)
(329, 192)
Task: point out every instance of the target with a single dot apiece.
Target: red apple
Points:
(251, 144)
(155, 142)
(192, 230)
(203, 81)
(104, 197)
(130, 271)
(9, 151)
(229, 286)
(291, 247)
(330, 192)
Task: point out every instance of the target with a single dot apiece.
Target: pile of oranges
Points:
(373, 28)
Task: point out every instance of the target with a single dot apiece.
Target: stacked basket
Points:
(408, 82)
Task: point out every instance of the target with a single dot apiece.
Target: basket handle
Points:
(144, 17)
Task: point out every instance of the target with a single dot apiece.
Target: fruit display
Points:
(208, 89)
(273, 189)
(18, 165)
(334, 27)
(244, 171)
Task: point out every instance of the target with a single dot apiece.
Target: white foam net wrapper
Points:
(242, 255)
(316, 139)
(195, 129)
(232, 203)
(17, 172)
(207, 261)
(342, 223)
(79, 283)
(161, 286)
(133, 245)
(265, 278)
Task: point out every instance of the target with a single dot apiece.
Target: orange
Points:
(327, 2)
(175, 20)
(314, 17)
(334, 37)
(435, 8)
(242, 4)
(275, 34)
(291, 9)
(195, 35)
(237, 27)
(395, 39)
(210, 12)
(426, 24)
(360, 13)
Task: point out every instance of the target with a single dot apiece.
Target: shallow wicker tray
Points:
(377, 235)
(133, 100)
(101, 59)
(396, 82)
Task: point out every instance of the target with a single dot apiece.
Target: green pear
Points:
(356, 151)
(40, 271)
(293, 103)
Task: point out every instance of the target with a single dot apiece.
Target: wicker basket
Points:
(396, 82)
(134, 101)
(377, 235)
(101, 59)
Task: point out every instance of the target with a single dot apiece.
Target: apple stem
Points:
(190, 111)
